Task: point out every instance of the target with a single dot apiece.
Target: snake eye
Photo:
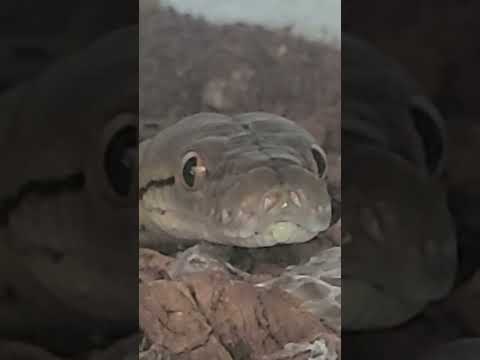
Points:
(193, 170)
(320, 159)
(430, 128)
(120, 160)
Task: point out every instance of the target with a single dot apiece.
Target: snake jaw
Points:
(283, 231)
(277, 213)
(248, 229)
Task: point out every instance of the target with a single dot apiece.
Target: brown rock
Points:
(169, 317)
(152, 265)
(209, 313)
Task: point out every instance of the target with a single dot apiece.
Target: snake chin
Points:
(259, 229)
(277, 233)
(286, 232)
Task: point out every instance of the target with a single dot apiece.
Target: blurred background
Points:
(436, 42)
(313, 19)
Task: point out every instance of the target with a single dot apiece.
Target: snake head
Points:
(69, 200)
(250, 180)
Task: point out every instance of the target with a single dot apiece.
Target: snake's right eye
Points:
(193, 170)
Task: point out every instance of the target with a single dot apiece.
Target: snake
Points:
(400, 250)
(68, 211)
(247, 180)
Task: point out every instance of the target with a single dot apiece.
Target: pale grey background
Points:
(313, 19)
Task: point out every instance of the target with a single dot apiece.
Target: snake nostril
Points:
(295, 198)
(278, 199)
(324, 208)
(244, 215)
(271, 200)
(226, 216)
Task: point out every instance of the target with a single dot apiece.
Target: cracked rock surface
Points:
(215, 314)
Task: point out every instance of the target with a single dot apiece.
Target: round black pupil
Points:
(188, 171)
(118, 166)
(320, 161)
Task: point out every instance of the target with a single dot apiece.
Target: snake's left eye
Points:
(430, 127)
(114, 171)
(320, 159)
(193, 170)
(120, 160)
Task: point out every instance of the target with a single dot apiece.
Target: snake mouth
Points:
(277, 233)
(287, 232)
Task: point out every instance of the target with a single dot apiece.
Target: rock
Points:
(152, 265)
(317, 284)
(316, 350)
(216, 314)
